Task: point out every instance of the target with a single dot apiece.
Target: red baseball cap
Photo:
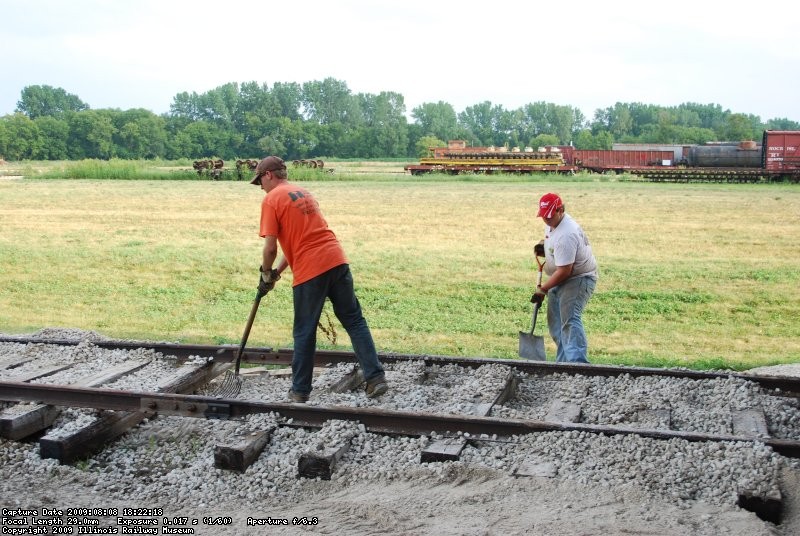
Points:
(548, 204)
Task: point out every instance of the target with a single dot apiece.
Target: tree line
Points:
(326, 119)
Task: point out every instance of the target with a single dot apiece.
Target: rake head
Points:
(229, 387)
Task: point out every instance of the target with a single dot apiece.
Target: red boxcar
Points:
(781, 150)
(621, 160)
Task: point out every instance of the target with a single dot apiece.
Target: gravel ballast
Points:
(583, 483)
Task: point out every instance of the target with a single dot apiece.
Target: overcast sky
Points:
(127, 54)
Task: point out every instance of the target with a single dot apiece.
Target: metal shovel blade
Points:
(531, 346)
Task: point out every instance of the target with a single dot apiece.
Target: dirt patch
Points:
(462, 501)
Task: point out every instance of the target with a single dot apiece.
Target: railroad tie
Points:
(38, 373)
(749, 422)
(16, 361)
(321, 463)
(563, 411)
(449, 449)
(536, 467)
(242, 451)
(25, 420)
(84, 442)
(349, 381)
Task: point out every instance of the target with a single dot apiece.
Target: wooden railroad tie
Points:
(22, 421)
(561, 411)
(321, 463)
(85, 441)
(449, 449)
(242, 451)
(16, 361)
(749, 422)
(349, 381)
(536, 467)
(39, 373)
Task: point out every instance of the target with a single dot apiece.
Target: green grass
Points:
(692, 275)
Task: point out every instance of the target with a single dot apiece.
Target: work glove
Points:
(538, 296)
(538, 249)
(267, 280)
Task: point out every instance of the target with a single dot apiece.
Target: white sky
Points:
(124, 54)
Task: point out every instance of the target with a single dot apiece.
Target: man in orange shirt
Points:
(290, 216)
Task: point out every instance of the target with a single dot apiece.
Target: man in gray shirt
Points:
(572, 276)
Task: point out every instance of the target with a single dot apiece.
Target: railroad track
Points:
(477, 414)
(453, 402)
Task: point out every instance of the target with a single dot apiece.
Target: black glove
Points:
(538, 249)
(538, 296)
(267, 280)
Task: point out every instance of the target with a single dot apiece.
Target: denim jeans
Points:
(565, 306)
(309, 298)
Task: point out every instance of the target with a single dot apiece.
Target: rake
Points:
(231, 384)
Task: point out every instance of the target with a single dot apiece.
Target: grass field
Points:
(695, 275)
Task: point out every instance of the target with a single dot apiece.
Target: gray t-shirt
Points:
(568, 244)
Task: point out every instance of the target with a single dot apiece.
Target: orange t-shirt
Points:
(291, 214)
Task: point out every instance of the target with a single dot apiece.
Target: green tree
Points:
(186, 107)
(617, 120)
(258, 107)
(543, 140)
(54, 136)
(564, 122)
(425, 143)
(711, 116)
(221, 104)
(330, 101)
(482, 121)
(782, 124)
(436, 119)
(38, 101)
(533, 121)
(290, 139)
(740, 128)
(20, 138)
(288, 98)
(584, 139)
(537, 118)
(202, 139)
(139, 134)
(385, 129)
(91, 135)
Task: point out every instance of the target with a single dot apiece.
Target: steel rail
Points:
(773, 385)
(375, 420)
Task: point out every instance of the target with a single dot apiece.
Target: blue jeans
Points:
(309, 298)
(565, 306)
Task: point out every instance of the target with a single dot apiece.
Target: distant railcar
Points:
(781, 152)
(621, 161)
(776, 158)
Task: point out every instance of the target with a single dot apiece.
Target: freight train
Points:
(776, 158)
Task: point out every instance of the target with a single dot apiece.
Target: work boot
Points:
(300, 398)
(376, 387)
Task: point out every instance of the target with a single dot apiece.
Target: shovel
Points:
(532, 346)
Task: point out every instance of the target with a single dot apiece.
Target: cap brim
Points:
(256, 180)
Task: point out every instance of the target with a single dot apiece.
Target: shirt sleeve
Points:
(269, 220)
